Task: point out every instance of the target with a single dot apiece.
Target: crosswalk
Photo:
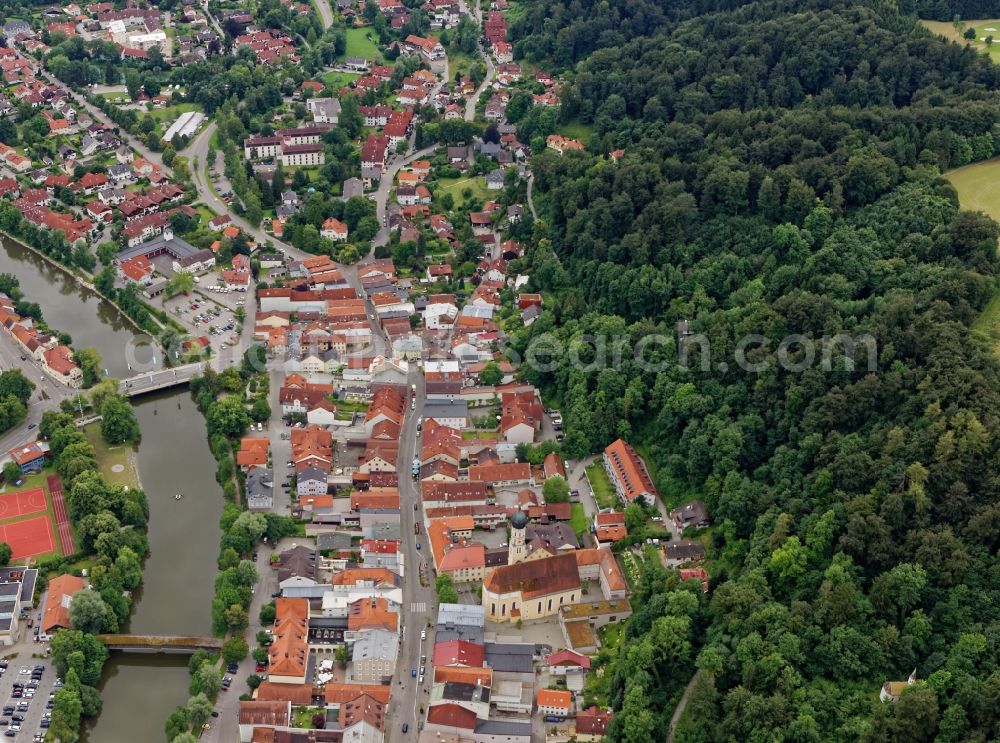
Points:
(418, 607)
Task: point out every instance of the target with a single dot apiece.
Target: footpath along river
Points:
(139, 691)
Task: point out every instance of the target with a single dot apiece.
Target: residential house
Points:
(693, 515)
(59, 596)
(628, 474)
(288, 653)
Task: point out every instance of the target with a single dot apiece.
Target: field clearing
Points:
(977, 191)
(977, 186)
(169, 113)
(359, 45)
(337, 80)
(983, 28)
(459, 62)
(455, 186)
(577, 130)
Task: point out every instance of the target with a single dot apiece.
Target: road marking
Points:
(418, 606)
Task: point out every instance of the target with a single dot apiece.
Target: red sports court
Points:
(22, 503)
(29, 537)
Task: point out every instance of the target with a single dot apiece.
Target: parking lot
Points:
(26, 709)
(205, 316)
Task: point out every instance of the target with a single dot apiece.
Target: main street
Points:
(419, 601)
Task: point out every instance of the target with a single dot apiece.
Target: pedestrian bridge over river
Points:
(160, 643)
(142, 384)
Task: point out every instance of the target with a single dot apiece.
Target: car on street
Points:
(413, 672)
(31, 425)
(423, 634)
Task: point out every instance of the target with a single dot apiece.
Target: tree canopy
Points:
(782, 176)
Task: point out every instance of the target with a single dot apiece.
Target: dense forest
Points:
(782, 175)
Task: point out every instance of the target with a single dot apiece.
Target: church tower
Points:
(517, 551)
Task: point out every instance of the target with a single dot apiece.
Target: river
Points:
(139, 691)
(67, 306)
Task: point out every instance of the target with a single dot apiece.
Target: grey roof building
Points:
(298, 561)
(469, 634)
(176, 247)
(512, 731)
(333, 540)
(445, 410)
(461, 615)
(260, 489)
(324, 110)
(510, 657)
(373, 657)
(352, 187)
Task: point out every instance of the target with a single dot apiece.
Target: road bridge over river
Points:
(160, 643)
(155, 381)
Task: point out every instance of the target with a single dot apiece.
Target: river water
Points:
(139, 691)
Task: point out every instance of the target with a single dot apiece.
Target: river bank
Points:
(73, 306)
(80, 280)
(178, 577)
(178, 574)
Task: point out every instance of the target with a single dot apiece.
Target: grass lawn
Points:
(110, 458)
(303, 716)
(206, 213)
(455, 186)
(578, 519)
(337, 80)
(576, 130)
(983, 29)
(350, 406)
(169, 113)
(604, 491)
(123, 95)
(359, 45)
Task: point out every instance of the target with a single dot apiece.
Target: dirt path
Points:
(679, 709)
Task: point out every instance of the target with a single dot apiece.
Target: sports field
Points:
(22, 503)
(28, 517)
(29, 537)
